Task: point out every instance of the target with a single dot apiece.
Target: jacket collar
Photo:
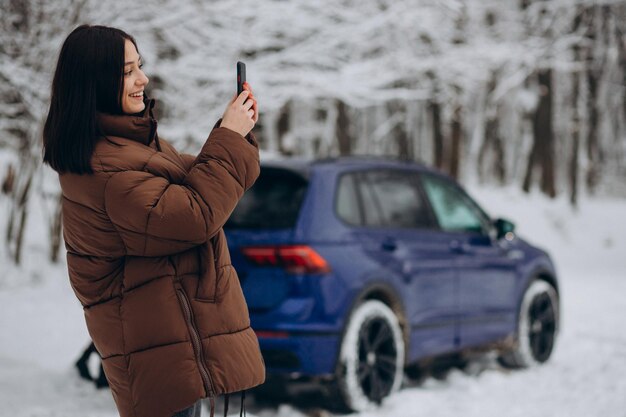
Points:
(140, 127)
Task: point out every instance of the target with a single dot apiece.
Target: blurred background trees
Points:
(501, 92)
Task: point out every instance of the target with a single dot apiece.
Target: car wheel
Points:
(371, 356)
(537, 327)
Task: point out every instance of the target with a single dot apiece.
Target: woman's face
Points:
(134, 80)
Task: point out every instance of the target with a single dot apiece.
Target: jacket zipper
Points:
(197, 346)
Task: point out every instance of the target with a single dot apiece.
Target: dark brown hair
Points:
(88, 79)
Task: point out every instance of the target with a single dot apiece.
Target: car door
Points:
(399, 231)
(486, 271)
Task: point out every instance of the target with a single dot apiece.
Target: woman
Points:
(146, 253)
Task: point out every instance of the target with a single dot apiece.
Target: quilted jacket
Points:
(148, 260)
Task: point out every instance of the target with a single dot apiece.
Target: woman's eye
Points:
(130, 71)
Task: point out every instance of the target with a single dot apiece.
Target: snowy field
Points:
(43, 331)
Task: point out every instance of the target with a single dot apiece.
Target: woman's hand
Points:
(241, 114)
(255, 106)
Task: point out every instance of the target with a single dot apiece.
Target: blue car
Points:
(355, 268)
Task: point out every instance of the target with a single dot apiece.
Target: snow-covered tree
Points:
(30, 32)
(530, 92)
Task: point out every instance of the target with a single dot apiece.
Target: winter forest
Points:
(522, 92)
(522, 101)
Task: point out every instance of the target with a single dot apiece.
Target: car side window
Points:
(397, 198)
(452, 208)
(347, 202)
(371, 207)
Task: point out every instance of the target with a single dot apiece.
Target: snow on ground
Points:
(43, 330)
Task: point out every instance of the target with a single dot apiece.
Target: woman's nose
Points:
(143, 80)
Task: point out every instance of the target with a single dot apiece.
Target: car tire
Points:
(537, 327)
(371, 358)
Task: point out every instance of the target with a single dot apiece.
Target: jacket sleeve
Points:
(189, 160)
(155, 217)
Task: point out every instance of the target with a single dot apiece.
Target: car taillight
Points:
(295, 259)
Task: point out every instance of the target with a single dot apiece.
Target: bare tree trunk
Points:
(500, 162)
(342, 129)
(19, 214)
(19, 239)
(530, 167)
(575, 129)
(435, 112)
(621, 49)
(620, 36)
(492, 141)
(573, 165)
(544, 134)
(456, 137)
(594, 73)
(9, 180)
(397, 111)
(491, 129)
(542, 153)
(592, 132)
(56, 229)
(283, 126)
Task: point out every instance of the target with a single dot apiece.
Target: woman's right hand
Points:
(240, 117)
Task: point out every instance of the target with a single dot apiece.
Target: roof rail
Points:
(357, 157)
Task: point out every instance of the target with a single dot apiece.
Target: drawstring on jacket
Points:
(226, 405)
(212, 403)
(242, 411)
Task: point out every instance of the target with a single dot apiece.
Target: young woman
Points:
(146, 253)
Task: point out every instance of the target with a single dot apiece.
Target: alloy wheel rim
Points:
(542, 327)
(377, 359)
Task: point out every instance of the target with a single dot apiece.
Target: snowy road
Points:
(43, 332)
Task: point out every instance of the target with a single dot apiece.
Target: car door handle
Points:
(460, 247)
(389, 244)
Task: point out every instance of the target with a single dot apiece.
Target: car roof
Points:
(304, 165)
(300, 165)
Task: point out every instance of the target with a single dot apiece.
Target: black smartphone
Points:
(241, 76)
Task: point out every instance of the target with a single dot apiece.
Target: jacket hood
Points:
(140, 127)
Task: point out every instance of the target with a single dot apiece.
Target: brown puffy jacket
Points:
(148, 260)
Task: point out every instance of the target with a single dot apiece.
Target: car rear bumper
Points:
(299, 354)
(299, 329)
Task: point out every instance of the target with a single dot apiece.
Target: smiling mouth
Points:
(137, 95)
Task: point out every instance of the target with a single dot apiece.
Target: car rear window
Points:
(273, 202)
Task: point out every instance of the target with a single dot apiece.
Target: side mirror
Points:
(504, 228)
